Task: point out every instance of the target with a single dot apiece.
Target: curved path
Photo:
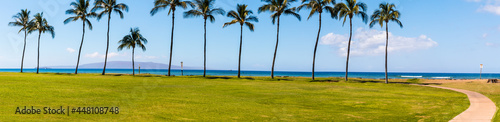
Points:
(481, 108)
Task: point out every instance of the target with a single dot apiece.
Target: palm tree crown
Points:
(170, 4)
(22, 20)
(133, 40)
(108, 7)
(318, 6)
(351, 8)
(385, 13)
(279, 7)
(40, 24)
(205, 9)
(242, 17)
(80, 10)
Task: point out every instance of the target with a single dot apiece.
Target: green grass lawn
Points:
(491, 91)
(163, 98)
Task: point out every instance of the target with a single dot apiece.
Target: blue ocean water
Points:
(371, 75)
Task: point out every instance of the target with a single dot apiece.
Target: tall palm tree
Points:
(348, 10)
(22, 19)
(41, 25)
(384, 14)
(134, 39)
(108, 7)
(242, 17)
(171, 5)
(278, 7)
(317, 7)
(205, 9)
(79, 9)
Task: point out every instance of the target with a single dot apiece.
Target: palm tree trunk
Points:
(316, 47)
(133, 62)
(24, 49)
(38, 57)
(241, 45)
(80, 51)
(107, 46)
(386, 46)
(276, 48)
(205, 50)
(348, 49)
(171, 42)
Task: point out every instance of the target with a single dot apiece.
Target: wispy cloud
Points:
(372, 42)
(491, 6)
(70, 50)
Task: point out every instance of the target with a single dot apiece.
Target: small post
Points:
(139, 68)
(182, 68)
(480, 71)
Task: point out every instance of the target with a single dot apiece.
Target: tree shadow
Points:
(217, 77)
(324, 81)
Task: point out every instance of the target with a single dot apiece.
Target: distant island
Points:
(122, 65)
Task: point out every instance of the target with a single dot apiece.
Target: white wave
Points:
(441, 77)
(411, 76)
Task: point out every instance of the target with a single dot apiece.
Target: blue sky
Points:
(438, 36)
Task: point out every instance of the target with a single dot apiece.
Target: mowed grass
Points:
(490, 90)
(161, 98)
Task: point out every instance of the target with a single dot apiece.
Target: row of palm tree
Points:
(37, 24)
(205, 8)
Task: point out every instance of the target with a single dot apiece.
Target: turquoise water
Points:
(373, 75)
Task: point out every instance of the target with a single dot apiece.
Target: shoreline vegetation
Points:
(215, 98)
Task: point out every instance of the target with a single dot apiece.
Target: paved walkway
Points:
(481, 108)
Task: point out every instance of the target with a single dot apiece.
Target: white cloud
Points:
(70, 50)
(97, 55)
(372, 42)
(490, 8)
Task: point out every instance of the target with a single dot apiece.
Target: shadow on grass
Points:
(324, 81)
(364, 81)
(217, 77)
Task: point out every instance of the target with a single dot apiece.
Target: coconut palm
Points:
(384, 14)
(277, 8)
(134, 39)
(242, 17)
(317, 7)
(171, 5)
(41, 25)
(22, 19)
(108, 7)
(205, 9)
(349, 9)
(79, 9)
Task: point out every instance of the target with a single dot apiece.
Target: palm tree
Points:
(278, 7)
(349, 10)
(134, 39)
(79, 9)
(22, 19)
(317, 6)
(205, 9)
(384, 14)
(41, 25)
(108, 7)
(241, 16)
(171, 4)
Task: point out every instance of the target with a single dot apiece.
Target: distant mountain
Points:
(123, 65)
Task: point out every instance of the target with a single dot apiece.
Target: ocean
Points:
(371, 75)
